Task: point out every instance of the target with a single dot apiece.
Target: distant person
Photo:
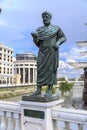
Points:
(47, 38)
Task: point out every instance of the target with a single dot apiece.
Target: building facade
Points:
(25, 68)
(6, 65)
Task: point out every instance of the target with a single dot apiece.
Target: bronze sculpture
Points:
(47, 38)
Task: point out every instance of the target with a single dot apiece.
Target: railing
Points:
(69, 119)
(63, 119)
(10, 115)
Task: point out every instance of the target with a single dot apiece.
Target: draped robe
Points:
(47, 60)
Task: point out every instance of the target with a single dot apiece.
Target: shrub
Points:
(65, 86)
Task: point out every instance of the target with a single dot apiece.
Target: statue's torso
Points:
(47, 36)
(49, 42)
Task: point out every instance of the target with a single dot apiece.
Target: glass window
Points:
(31, 75)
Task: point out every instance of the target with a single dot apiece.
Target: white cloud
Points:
(63, 64)
(70, 60)
(65, 70)
(73, 54)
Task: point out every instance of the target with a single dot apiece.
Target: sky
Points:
(20, 17)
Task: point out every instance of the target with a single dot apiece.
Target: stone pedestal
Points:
(37, 115)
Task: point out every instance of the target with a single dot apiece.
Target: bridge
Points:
(11, 115)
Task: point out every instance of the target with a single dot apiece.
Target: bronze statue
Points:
(47, 38)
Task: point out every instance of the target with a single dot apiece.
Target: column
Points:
(35, 75)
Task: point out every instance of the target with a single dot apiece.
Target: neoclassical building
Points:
(25, 68)
(6, 65)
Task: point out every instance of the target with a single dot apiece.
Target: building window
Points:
(31, 75)
(10, 71)
(21, 73)
(7, 79)
(11, 59)
(4, 70)
(17, 71)
(31, 64)
(4, 50)
(26, 64)
(21, 64)
(4, 57)
(7, 70)
(10, 80)
(26, 75)
(8, 58)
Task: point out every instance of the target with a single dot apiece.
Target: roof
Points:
(82, 43)
(27, 53)
(80, 65)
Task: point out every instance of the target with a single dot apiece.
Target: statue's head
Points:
(46, 18)
(46, 13)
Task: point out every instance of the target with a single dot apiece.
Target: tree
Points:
(61, 79)
(65, 86)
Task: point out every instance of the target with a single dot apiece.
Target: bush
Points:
(45, 88)
(65, 86)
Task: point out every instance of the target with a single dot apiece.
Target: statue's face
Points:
(46, 19)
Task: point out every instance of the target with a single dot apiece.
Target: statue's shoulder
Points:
(56, 27)
(40, 28)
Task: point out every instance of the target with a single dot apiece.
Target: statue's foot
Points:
(48, 94)
(36, 93)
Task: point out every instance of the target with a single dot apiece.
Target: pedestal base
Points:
(40, 98)
(38, 115)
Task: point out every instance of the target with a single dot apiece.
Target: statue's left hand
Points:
(34, 35)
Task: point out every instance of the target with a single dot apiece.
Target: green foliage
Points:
(65, 86)
(46, 88)
(61, 79)
(53, 90)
